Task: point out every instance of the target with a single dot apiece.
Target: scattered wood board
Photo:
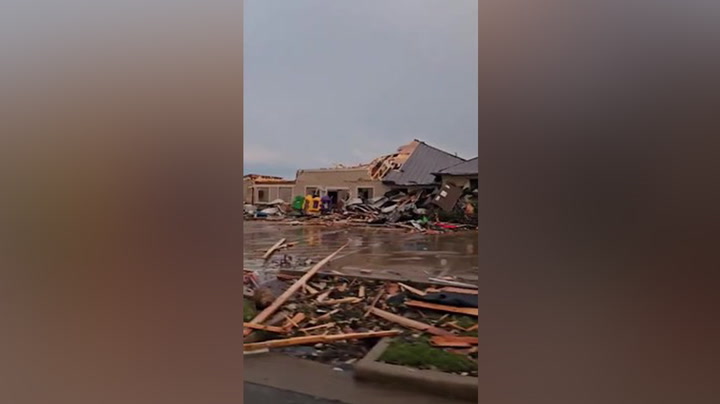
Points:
(280, 301)
(374, 302)
(412, 290)
(278, 330)
(451, 289)
(332, 302)
(272, 249)
(441, 307)
(408, 323)
(314, 339)
(452, 283)
(453, 341)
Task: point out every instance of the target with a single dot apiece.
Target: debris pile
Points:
(446, 209)
(337, 319)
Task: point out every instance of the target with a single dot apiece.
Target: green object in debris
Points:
(421, 355)
(298, 202)
(424, 220)
(249, 311)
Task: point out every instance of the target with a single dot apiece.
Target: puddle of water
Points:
(414, 256)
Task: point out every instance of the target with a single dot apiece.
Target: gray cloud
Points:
(341, 82)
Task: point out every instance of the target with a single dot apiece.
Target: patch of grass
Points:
(249, 310)
(419, 354)
(464, 321)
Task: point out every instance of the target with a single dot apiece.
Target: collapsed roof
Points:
(419, 165)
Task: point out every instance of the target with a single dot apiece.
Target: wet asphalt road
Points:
(258, 394)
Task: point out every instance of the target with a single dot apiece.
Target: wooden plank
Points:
(453, 341)
(451, 289)
(332, 302)
(441, 307)
(314, 339)
(473, 328)
(293, 321)
(317, 327)
(280, 301)
(411, 289)
(374, 302)
(361, 292)
(279, 330)
(452, 283)
(272, 249)
(408, 323)
(325, 316)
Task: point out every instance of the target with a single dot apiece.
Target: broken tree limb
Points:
(314, 339)
(272, 249)
(408, 323)
(441, 307)
(268, 311)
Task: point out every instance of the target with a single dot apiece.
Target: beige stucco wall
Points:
(247, 192)
(273, 192)
(330, 179)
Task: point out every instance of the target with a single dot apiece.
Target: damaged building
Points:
(463, 175)
(416, 171)
(410, 168)
(260, 189)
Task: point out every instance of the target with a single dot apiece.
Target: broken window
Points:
(263, 194)
(310, 190)
(366, 193)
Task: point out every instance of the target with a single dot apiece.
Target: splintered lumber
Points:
(408, 323)
(441, 307)
(317, 327)
(278, 330)
(453, 341)
(280, 301)
(473, 328)
(310, 290)
(314, 339)
(332, 302)
(451, 289)
(294, 321)
(452, 283)
(324, 295)
(325, 316)
(412, 289)
(274, 248)
(374, 302)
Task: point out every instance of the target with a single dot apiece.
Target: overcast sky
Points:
(331, 81)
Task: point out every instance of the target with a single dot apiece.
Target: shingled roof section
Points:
(469, 167)
(420, 166)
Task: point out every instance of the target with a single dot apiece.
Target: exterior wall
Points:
(273, 191)
(247, 191)
(338, 179)
(458, 180)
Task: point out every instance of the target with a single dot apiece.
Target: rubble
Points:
(444, 210)
(335, 319)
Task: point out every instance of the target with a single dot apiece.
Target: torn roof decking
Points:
(466, 168)
(420, 166)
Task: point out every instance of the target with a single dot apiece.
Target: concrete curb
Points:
(430, 381)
